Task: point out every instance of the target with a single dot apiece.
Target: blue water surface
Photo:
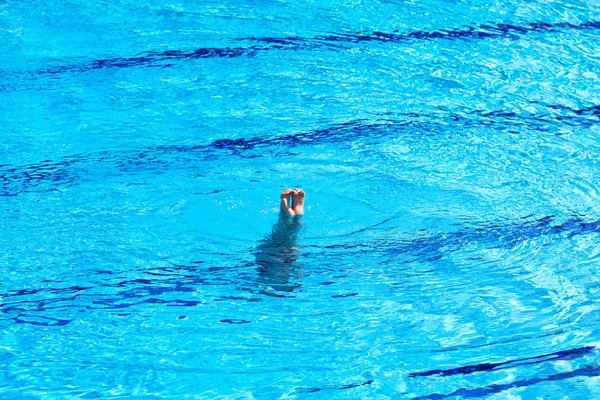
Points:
(449, 151)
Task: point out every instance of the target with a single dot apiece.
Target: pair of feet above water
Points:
(292, 201)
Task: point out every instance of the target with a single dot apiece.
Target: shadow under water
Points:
(276, 256)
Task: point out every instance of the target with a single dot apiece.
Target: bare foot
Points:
(285, 202)
(298, 197)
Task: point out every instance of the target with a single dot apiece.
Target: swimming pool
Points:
(449, 151)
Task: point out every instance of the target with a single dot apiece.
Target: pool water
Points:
(449, 150)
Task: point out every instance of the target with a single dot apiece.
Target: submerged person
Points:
(277, 254)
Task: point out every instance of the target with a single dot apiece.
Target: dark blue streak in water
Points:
(593, 110)
(580, 117)
(346, 387)
(14, 180)
(234, 321)
(153, 59)
(510, 235)
(481, 31)
(587, 371)
(40, 321)
(355, 385)
(341, 296)
(470, 369)
(18, 179)
(280, 274)
(166, 280)
(431, 248)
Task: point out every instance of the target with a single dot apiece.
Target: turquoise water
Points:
(449, 152)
